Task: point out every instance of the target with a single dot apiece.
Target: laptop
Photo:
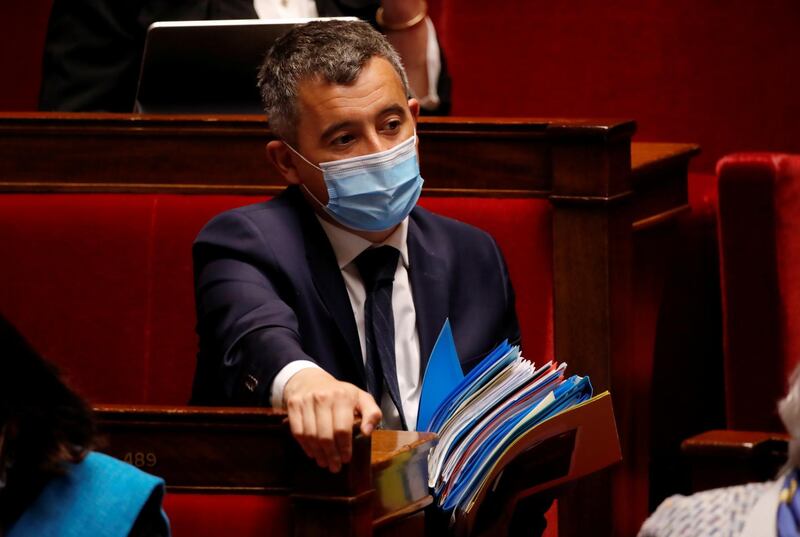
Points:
(207, 67)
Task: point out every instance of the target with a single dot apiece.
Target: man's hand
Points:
(321, 413)
(411, 43)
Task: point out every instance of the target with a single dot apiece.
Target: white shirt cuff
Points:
(283, 377)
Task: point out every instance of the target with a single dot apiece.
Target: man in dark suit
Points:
(93, 51)
(289, 308)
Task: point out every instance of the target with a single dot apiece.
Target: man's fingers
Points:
(310, 431)
(370, 412)
(323, 407)
(343, 428)
(321, 412)
(295, 411)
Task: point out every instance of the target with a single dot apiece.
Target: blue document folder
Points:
(480, 416)
(442, 375)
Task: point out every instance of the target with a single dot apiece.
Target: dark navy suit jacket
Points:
(269, 291)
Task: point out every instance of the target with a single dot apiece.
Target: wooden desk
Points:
(250, 450)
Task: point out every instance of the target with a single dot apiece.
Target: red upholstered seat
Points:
(522, 229)
(759, 230)
(216, 515)
(102, 283)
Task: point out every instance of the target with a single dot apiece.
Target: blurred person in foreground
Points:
(93, 50)
(767, 509)
(51, 482)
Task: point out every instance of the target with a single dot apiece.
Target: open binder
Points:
(508, 429)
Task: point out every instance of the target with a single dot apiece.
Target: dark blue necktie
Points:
(377, 267)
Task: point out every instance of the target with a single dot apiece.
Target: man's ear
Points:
(413, 105)
(281, 157)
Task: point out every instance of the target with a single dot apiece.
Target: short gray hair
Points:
(335, 51)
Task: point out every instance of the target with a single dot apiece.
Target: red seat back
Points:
(242, 515)
(759, 230)
(102, 283)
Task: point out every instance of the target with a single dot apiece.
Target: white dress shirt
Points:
(281, 9)
(347, 246)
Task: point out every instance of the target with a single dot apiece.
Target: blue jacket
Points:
(98, 497)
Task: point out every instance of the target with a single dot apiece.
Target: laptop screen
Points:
(206, 67)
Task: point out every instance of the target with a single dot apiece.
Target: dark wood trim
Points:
(724, 458)
(412, 508)
(571, 199)
(250, 450)
(119, 153)
(660, 218)
(721, 443)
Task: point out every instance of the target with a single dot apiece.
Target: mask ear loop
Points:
(296, 152)
(303, 186)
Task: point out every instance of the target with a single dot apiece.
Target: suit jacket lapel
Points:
(328, 281)
(429, 288)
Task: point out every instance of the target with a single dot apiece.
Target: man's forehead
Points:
(316, 91)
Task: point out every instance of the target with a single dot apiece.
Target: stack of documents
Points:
(485, 413)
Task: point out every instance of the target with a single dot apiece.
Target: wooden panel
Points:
(133, 153)
(250, 450)
(728, 457)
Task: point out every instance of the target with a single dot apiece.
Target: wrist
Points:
(400, 16)
(282, 385)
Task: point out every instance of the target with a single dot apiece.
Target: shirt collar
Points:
(347, 245)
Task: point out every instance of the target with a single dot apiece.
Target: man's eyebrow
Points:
(394, 109)
(333, 128)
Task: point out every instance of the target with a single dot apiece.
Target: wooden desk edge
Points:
(722, 441)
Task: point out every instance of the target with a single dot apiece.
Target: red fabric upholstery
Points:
(703, 195)
(74, 275)
(685, 70)
(218, 515)
(102, 283)
(759, 230)
(172, 341)
(522, 229)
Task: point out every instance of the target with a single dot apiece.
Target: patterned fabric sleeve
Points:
(720, 512)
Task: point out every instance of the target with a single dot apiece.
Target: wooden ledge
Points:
(734, 443)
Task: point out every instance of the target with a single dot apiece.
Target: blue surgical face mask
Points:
(372, 192)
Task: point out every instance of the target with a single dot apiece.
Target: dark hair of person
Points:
(333, 51)
(46, 424)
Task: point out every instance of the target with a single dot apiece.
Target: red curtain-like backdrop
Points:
(722, 74)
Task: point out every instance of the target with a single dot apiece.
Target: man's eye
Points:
(393, 124)
(344, 139)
